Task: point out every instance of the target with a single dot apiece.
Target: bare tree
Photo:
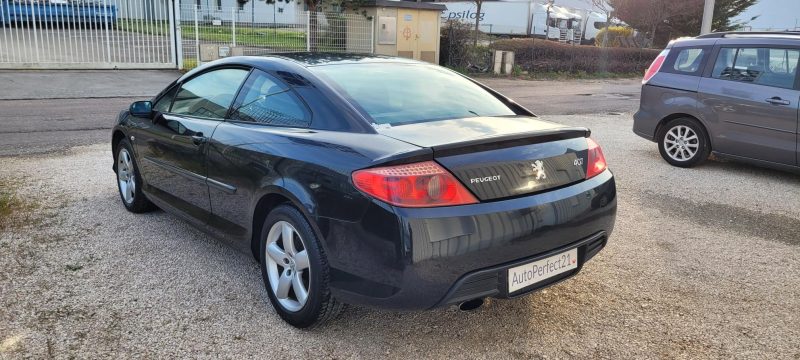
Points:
(648, 15)
(478, 6)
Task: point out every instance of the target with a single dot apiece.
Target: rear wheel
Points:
(683, 142)
(295, 270)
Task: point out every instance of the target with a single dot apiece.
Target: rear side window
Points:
(689, 60)
(209, 95)
(762, 66)
(266, 100)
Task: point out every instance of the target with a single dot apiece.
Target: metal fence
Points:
(241, 31)
(86, 34)
(91, 34)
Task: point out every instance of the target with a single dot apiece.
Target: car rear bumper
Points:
(645, 124)
(493, 281)
(441, 256)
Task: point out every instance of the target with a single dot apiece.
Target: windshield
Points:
(403, 93)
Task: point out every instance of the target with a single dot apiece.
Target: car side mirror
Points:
(142, 109)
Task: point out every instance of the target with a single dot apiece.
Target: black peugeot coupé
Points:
(368, 180)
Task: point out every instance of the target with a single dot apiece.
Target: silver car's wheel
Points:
(126, 176)
(681, 143)
(288, 267)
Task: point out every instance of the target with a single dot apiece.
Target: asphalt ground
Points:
(50, 111)
(703, 263)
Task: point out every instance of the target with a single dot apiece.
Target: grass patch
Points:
(14, 210)
(285, 39)
(9, 203)
(579, 75)
(189, 64)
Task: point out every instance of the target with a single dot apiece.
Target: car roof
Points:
(738, 37)
(794, 35)
(309, 59)
(300, 61)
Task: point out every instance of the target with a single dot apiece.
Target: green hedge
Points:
(537, 55)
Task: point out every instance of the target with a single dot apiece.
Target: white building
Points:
(257, 11)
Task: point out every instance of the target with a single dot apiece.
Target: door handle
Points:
(199, 139)
(778, 101)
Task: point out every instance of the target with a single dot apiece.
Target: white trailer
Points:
(496, 17)
(529, 18)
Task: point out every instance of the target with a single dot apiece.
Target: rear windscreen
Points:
(402, 93)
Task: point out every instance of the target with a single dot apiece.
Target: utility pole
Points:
(547, 19)
(708, 17)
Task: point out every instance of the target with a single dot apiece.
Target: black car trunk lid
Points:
(503, 157)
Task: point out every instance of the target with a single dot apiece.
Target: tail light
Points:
(423, 184)
(655, 66)
(597, 162)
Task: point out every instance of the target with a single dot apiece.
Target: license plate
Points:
(531, 273)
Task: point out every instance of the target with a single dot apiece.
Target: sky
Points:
(776, 14)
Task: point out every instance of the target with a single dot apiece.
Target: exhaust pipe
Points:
(471, 304)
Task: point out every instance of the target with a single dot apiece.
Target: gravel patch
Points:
(703, 264)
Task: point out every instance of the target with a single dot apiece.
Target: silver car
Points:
(732, 94)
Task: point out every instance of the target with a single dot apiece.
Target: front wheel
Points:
(295, 270)
(129, 181)
(683, 142)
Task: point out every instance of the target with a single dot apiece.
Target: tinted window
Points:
(209, 95)
(689, 60)
(399, 93)
(266, 100)
(783, 61)
(162, 105)
(763, 66)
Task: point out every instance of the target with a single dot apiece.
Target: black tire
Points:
(678, 154)
(320, 306)
(139, 203)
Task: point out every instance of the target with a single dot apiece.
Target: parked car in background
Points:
(368, 180)
(732, 94)
(58, 12)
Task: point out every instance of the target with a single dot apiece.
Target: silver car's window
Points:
(689, 60)
(762, 66)
(401, 93)
(209, 95)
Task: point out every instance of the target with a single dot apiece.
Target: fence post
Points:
(372, 36)
(308, 30)
(233, 25)
(197, 35)
(175, 37)
(35, 33)
(108, 33)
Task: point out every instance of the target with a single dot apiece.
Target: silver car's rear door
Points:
(752, 101)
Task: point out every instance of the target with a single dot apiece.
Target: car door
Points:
(245, 151)
(751, 101)
(172, 149)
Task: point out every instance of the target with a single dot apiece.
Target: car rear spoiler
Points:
(483, 144)
(510, 140)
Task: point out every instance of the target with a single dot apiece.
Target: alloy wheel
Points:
(288, 267)
(126, 176)
(681, 143)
